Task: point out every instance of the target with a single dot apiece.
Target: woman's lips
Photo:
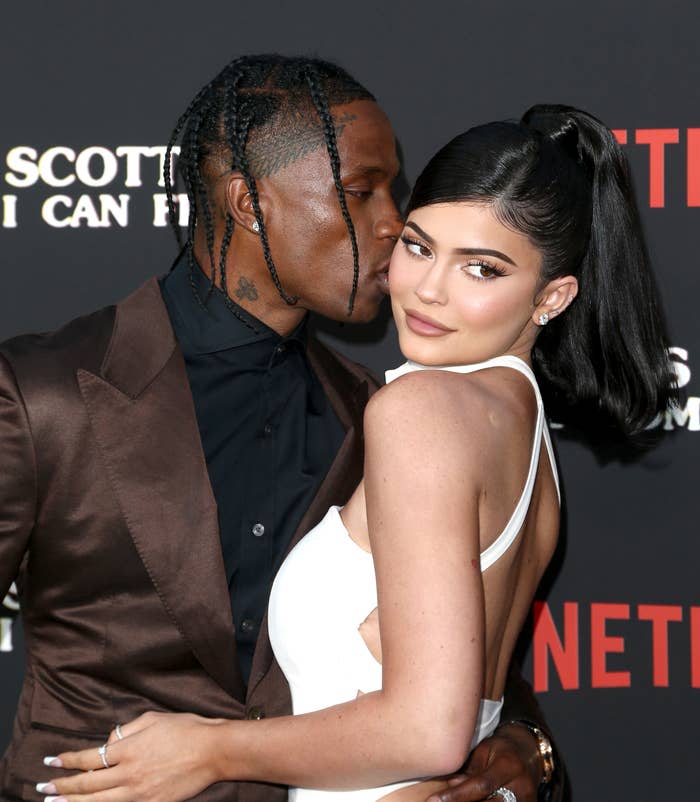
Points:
(425, 326)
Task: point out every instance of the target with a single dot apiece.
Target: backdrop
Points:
(90, 92)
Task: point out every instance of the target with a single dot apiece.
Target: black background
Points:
(82, 74)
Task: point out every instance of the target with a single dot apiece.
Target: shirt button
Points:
(268, 429)
(280, 349)
(258, 530)
(256, 713)
(247, 625)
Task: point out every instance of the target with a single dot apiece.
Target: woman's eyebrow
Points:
(462, 251)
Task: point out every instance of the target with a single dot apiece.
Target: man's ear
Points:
(554, 298)
(240, 205)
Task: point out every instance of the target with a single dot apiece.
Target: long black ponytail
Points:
(560, 177)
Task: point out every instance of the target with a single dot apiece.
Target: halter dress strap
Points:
(503, 542)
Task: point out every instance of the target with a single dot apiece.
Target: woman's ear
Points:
(554, 299)
(240, 205)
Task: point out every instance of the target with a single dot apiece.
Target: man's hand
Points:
(508, 759)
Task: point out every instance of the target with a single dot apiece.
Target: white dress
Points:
(326, 588)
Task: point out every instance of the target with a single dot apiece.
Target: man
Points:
(162, 456)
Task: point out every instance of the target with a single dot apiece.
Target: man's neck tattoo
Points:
(246, 289)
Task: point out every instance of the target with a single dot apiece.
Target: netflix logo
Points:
(658, 142)
(561, 647)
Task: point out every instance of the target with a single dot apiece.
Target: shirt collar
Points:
(215, 326)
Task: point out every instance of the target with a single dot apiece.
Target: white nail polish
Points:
(53, 761)
(40, 787)
(50, 798)
(47, 760)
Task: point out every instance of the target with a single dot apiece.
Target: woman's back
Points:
(512, 446)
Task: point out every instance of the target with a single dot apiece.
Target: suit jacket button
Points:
(256, 713)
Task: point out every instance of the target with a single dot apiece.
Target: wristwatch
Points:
(544, 748)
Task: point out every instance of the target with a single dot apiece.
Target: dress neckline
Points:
(504, 360)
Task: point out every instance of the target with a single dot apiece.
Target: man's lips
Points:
(422, 324)
(382, 274)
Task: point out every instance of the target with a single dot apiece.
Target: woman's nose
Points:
(431, 289)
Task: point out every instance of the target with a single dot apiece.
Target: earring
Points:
(543, 319)
(256, 226)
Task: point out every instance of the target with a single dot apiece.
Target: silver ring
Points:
(118, 732)
(102, 751)
(505, 793)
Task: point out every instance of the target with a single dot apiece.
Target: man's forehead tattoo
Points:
(275, 151)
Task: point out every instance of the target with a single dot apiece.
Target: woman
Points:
(522, 248)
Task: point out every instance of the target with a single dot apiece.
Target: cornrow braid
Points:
(242, 137)
(271, 94)
(321, 104)
(167, 160)
(231, 122)
(191, 178)
(198, 190)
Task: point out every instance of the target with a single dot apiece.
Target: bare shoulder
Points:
(437, 409)
(447, 410)
(425, 393)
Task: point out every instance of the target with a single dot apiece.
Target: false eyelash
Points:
(495, 271)
(408, 241)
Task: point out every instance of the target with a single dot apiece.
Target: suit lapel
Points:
(143, 417)
(347, 390)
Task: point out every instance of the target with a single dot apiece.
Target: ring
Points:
(102, 751)
(118, 732)
(505, 793)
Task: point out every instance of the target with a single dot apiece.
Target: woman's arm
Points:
(422, 489)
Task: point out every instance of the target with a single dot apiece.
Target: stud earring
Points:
(543, 319)
(256, 226)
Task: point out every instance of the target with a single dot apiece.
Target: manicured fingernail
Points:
(46, 788)
(57, 763)
(55, 799)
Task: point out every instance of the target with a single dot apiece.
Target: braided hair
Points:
(237, 120)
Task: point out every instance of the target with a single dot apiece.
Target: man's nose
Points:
(390, 223)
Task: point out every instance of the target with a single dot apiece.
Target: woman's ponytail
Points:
(609, 350)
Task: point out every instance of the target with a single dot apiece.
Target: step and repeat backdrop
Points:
(89, 94)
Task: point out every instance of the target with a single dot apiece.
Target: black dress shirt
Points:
(268, 432)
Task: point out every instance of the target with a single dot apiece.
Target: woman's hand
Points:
(161, 757)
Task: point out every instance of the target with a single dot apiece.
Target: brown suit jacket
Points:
(108, 519)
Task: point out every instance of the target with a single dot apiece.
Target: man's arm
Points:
(520, 705)
(511, 758)
(17, 478)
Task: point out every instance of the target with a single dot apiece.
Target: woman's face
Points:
(463, 286)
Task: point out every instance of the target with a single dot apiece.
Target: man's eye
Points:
(359, 193)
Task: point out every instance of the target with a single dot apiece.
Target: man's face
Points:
(309, 239)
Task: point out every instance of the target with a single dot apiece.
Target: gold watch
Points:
(544, 748)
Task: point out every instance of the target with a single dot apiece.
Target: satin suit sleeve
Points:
(17, 478)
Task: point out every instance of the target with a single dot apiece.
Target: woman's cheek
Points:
(398, 276)
(479, 310)
(489, 304)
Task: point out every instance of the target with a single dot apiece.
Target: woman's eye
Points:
(416, 248)
(482, 270)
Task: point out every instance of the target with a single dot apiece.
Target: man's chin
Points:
(364, 311)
